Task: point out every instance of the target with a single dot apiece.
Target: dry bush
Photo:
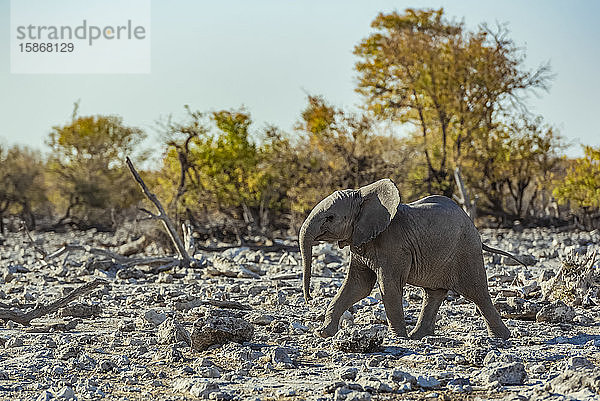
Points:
(577, 278)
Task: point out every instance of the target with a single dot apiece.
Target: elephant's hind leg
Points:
(358, 284)
(493, 321)
(431, 304)
(478, 292)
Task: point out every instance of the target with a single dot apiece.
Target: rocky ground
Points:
(238, 328)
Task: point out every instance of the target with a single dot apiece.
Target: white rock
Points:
(300, 327)
(357, 339)
(66, 393)
(262, 319)
(578, 363)
(45, 396)
(347, 319)
(460, 385)
(556, 312)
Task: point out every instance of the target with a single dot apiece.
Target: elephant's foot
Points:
(500, 331)
(327, 330)
(399, 331)
(420, 332)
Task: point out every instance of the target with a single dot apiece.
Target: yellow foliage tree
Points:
(91, 183)
(22, 187)
(581, 185)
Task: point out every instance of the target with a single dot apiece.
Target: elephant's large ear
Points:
(379, 202)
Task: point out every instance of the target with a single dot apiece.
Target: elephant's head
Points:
(350, 217)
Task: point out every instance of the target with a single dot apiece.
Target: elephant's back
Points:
(442, 235)
(434, 202)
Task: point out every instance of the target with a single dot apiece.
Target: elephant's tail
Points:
(501, 252)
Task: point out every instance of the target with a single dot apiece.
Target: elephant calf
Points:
(430, 243)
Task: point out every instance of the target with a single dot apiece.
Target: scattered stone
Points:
(504, 373)
(346, 393)
(106, 365)
(357, 339)
(578, 363)
(373, 385)
(262, 319)
(171, 332)
(45, 396)
(209, 371)
(518, 308)
(281, 358)
(401, 376)
(347, 319)
(300, 327)
(427, 382)
(220, 330)
(348, 373)
(583, 320)
(197, 387)
(130, 272)
(570, 383)
(66, 393)
(14, 342)
(81, 310)
(556, 312)
(165, 278)
(127, 326)
(154, 317)
(495, 356)
(460, 385)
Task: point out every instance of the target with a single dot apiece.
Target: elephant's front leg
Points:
(392, 292)
(358, 284)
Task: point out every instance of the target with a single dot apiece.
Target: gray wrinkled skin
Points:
(430, 243)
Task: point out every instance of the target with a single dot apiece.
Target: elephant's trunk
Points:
(306, 240)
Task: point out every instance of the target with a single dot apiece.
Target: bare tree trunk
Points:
(468, 204)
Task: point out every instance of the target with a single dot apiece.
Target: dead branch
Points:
(37, 248)
(86, 248)
(42, 310)
(165, 262)
(162, 216)
(254, 247)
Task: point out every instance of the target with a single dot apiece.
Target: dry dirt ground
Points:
(252, 335)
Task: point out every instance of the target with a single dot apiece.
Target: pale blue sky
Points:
(265, 54)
